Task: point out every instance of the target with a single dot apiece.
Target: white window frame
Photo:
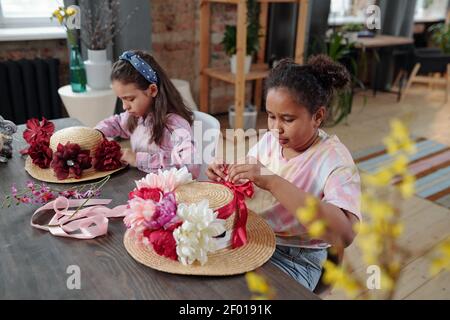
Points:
(429, 18)
(26, 22)
(341, 20)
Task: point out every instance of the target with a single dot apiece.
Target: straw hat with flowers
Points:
(181, 226)
(69, 155)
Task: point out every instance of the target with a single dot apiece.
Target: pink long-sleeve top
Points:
(176, 148)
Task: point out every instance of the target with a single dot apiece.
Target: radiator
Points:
(29, 89)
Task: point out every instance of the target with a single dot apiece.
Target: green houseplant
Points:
(339, 48)
(230, 36)
(351, 31)
(440, 36)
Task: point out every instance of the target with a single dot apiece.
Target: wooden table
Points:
(33, 263)
(383, 42)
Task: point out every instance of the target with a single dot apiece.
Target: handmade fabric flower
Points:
(38, 132)
(107, 156)
(163, 241)
(41, 154)
(138, 212)
(69, 158)
(194, 237)
(165, 213)
(154, 194)
(166, 180)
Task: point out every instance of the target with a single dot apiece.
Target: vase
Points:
(77, 71)
(98, 69)
(233, 63)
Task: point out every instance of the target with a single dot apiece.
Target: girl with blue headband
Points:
(155, 118)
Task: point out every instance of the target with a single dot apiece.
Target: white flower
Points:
(166, 180)
(194, 237)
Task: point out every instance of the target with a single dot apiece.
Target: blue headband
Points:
(141, 66)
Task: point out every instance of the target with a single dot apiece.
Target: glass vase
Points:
(77, 70)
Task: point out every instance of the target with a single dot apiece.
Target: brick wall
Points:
(175, 45)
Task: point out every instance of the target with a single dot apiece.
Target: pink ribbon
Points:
(87, 223)
(238, 205)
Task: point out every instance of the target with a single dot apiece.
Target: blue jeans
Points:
(302, 264)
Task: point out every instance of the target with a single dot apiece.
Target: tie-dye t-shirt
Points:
(325, 170)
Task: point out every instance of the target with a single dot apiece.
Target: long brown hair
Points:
(168, 100)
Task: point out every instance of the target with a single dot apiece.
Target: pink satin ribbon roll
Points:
(87, 223)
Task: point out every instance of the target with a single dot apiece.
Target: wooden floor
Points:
(426, 224)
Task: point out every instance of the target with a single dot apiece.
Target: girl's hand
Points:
(128, 157)
(254, 171)
(216, 171)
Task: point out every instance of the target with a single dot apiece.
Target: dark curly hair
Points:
(168, 100)
(313, 84)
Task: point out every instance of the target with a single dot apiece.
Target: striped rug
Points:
(430, 165)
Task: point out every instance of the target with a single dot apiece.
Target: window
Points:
(348, 11)
(28, 13)
(430, 10)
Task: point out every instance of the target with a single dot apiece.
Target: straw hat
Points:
(87, 138)
(258, 249)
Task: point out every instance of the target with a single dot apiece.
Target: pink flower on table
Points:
(139, 212)
(165, 213)
(145, 193)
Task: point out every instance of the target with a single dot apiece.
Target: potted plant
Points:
(100, 24)
(65, 15)
(440, 36)
(340, 49)
(229, 38)
(351, 31)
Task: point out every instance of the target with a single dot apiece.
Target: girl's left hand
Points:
(256, 173)
(128, 157)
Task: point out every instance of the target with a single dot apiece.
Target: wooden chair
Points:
(429, 61)
(335, 255)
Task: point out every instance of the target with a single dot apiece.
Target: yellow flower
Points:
(407, 186)
(397, 230)
(409, 146)
(317, 229)
(400, 164)
(391, 145)
(361, 228)
(337, 277)
(399, 130)
(399, 140)
(307, 213)
(394, 267)
(442, 262)
(57, 14)
(380, 210)
(386, 282)
(70, 11)
(379, 179)
(257, 284)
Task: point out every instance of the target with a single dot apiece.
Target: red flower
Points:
(146, 194)
(36, 131)
(41, 154)
(163, 242)
(70, 158)
(107, 156)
